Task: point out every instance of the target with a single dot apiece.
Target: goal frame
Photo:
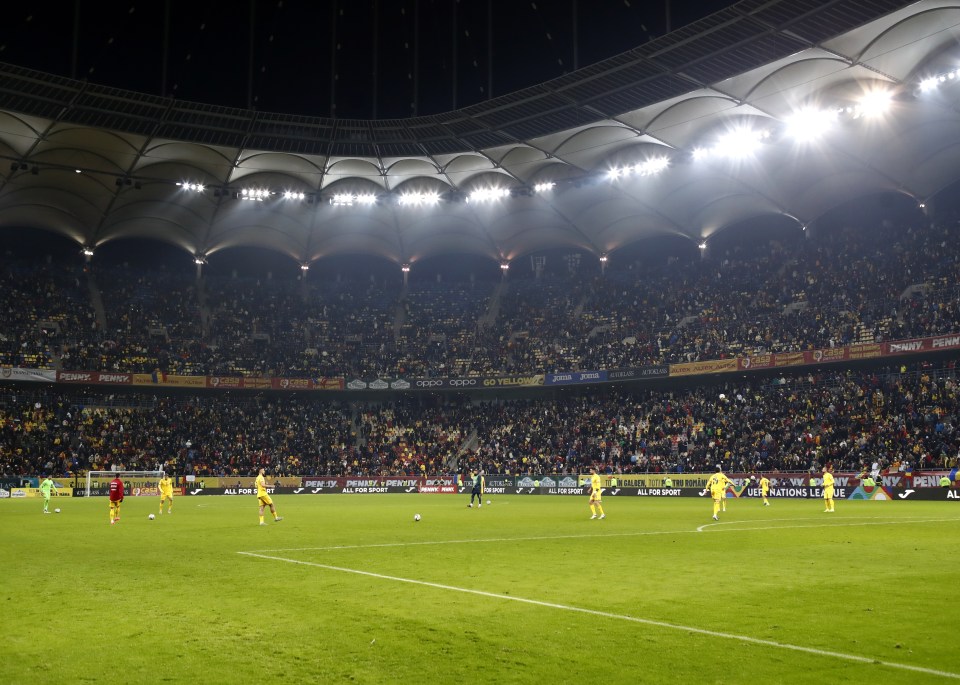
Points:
(125, 476)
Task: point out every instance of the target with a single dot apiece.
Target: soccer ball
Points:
(488, 503)
(416, 517)
(151, 517)
(56, 511)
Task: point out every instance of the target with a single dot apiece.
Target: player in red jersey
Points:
(116, 499)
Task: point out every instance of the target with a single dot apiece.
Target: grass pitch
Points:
(348, 588)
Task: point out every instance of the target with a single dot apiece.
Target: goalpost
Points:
(135, 483)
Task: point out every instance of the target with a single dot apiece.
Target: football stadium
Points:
(639, 368)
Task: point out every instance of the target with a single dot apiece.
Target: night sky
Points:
(363, 59)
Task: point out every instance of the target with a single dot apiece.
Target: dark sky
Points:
(383, 59)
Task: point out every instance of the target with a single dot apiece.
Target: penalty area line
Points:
(620, 617)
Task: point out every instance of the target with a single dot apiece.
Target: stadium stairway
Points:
(204, 309)
(96, 299)
(469, 444)
(493, 308)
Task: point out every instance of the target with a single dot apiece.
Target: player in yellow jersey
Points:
(166, 494)
(264, 498)
(765, 489)
(827, 490)
(596, 505)
(717, 484)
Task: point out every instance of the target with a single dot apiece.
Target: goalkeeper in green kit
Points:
(45, 487)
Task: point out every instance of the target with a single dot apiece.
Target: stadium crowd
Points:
(847, 418)
(886, 280)
(893, 280)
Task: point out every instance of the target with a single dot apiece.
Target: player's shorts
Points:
(265, 500)
(765, 492)
(595, 496)
(828, 492)
(166, 495)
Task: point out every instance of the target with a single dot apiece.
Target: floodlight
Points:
(487, 194)
(739, 143)
(874, 104)
(256, 194)
(652, 166)
(417, 199)
(808, 124)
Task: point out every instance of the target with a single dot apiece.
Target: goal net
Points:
(135, 483)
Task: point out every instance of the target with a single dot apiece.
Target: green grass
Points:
(174, 600)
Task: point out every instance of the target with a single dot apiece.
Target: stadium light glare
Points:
(873, 104)
(87, 251)
(931, 83)
(293, 195)
(365, 199)
(740, 143)
(255, 194)
(544, 187)
(647, 167)
(487, 194)
(417, 199)
(808, 124)
(654, 165)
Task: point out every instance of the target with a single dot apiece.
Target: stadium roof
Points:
(715, 100)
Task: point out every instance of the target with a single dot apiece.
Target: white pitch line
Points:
(621, 617)
(843, 523)
(470, 541)
(376, 545)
